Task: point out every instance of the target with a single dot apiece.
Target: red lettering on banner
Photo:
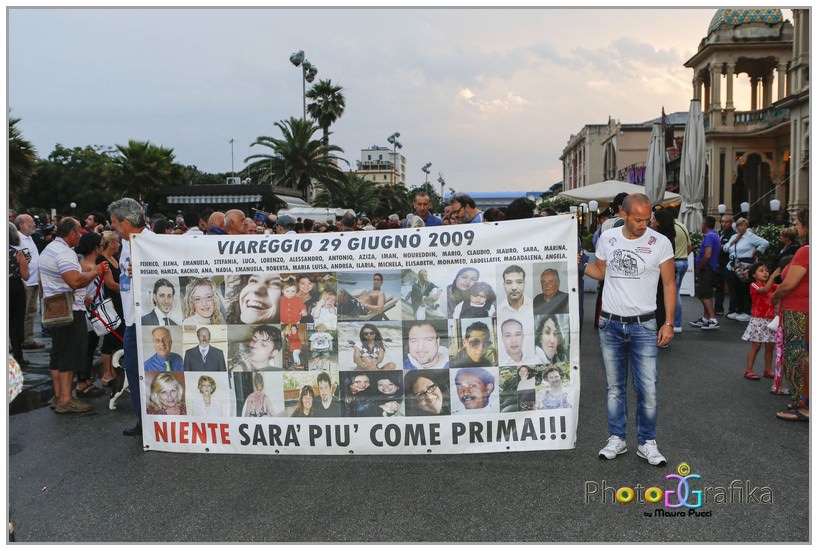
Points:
(187, 432)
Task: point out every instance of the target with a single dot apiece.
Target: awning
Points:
(212, 199)
(293, 201)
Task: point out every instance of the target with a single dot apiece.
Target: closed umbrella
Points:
(655, 174)
(691, 187)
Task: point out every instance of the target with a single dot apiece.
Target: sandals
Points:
(792, 415)
(768, 375)
(751, 375)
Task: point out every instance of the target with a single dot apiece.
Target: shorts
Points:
(110, 343)
(69, 345)
(705, 282)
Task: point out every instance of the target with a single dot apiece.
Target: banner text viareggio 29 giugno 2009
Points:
(452, 339)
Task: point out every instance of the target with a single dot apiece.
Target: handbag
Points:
(741, 270)
(101, 314)
(58, 310)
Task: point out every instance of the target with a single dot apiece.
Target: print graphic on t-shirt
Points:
(625, 263)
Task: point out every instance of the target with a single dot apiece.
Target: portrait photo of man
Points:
(163, 297)
(477, 348)
(422, 345)
(204, 357)
(517, 303)
(551, 300)
(163, 359)
(475, 389)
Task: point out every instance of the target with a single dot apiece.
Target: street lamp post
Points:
(393, 139)
(308, 72)
(442, 183)
(425, 168)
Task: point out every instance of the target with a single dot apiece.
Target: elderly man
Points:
(234, 222)
(127, 219)
(475, 389)
(551, 300)
(62, 273)
(465, 210)
(215, 223)
(26, 226)
(204, 357)
(164, 359)
(423, 348)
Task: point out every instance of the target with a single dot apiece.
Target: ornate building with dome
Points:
(758, 155)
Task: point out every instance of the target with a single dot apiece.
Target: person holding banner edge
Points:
(127, 219)
(630, 260)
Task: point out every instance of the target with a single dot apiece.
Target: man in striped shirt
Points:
(60, 272)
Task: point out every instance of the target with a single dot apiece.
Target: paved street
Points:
(76, 478)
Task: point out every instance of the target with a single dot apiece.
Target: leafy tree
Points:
(353, 193)
(394, 199)
(198, 178)
(145, 169)
(297, 159)
(326, 106)
(22, 163)
(86, 176)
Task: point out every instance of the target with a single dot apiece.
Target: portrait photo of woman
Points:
(166, 394)
(252, 298)
(202, 302)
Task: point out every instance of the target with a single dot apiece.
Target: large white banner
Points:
(453, 339)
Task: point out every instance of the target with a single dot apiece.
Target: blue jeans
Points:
(681, 270)
(132, 368)
(634, 345)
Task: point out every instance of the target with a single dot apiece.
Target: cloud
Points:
(492, 105)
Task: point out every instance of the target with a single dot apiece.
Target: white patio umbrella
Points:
(691, 186)
(655, 173)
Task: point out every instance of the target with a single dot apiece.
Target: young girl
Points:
(757, 332)
(295, 346)
(292, 306)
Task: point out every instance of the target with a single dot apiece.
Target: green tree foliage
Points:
(296, 158)
(198, 178)
(145, 169)
(559, 204)
(22, 163)
(353, 193)
(86, 176)
(393, 199)
(326, 105)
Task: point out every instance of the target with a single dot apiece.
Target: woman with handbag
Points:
(89, 249)
(743, 249)
(113, 340)
(18, 272)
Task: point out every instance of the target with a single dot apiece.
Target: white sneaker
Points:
(732, 315)
(677, 329)
(743, 317)
(650, 453)
(615, 446)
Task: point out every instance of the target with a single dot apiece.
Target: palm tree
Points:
(22, 162)
(327, 105)
(297, 159)
(352, 193)
(394, 199)
(145, 169)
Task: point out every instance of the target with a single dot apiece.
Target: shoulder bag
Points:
(58, 310)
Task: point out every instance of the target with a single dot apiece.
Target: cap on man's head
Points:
(285, 220)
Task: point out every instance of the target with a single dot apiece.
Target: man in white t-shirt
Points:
(128, 218)
(631, 259)
(26, 226)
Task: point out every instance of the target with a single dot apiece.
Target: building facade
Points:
(757, 155)
(382, 165)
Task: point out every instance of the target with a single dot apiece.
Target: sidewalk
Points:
(75, 478)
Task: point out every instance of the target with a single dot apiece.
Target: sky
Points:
(489, 96)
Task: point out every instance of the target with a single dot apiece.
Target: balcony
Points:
(761, 118)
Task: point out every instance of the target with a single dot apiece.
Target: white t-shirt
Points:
(126, 282)
(26, 242)
(632, 270)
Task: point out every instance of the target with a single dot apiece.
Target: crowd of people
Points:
(90, 260)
